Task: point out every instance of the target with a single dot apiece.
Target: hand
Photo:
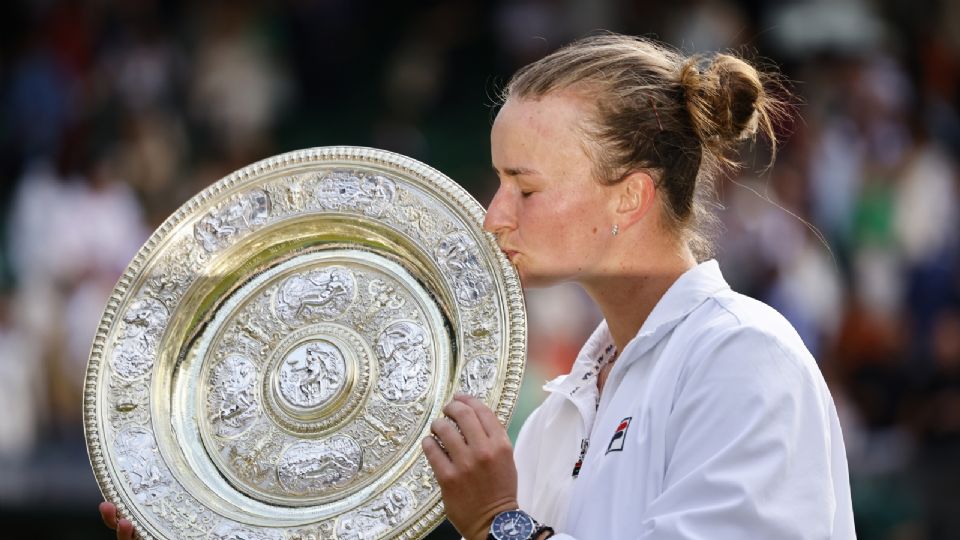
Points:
(124, 528)
(477, 475)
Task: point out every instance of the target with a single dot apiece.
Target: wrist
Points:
(487, 524)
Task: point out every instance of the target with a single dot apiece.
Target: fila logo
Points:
(619, 436)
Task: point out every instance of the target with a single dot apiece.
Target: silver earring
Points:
(615, 230)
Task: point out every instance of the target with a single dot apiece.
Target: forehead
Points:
(555, 116)
(547, 135)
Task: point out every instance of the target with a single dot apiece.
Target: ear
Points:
(636, 198)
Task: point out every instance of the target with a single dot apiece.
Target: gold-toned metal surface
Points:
(268, 363)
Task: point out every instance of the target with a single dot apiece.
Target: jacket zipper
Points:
(584, 444)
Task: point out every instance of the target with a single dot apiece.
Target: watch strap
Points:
(541, 529)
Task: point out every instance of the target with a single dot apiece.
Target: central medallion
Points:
(310, 375)
(313, 384)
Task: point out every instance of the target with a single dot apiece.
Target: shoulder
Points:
(733, 336)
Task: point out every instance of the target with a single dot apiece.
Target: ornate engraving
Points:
(323, 294)
(421, 218)
(240, 339)
(128, 402)
(143, 324)
(175, 271)
(385, 430)
(254, 456)
(291, 195)
(232, 401)
(311, 374)
(372, 520)
(235, 531)
(222, 225)
(370, 194)
(326, 531)
(422, 482)
(404, 362)
(310, 467)
(258, 323)
(457, 253)
(383, 302)
(346, 381)
(383, 297)
(479, 376)
(483, 324)
(139, 459)
(183, 514)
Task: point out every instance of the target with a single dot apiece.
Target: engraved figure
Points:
(221, 225)
(325, 531)
(369, 194)
(478, 376)
(326, 293)
(254, 455)
(312, 373)
(309, 467)
(232, 400)
(295, 195)
(377, 517)
(457, 254)
(138, 458)
(128, 402)
(143, 324)
(404, 366)
(235, 531)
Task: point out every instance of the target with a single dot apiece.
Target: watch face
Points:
(512, 525)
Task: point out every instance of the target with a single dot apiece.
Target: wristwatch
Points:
(515, 525)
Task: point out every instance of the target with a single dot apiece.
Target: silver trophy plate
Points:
(269, 362)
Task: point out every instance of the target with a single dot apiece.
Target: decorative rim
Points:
(464, 205)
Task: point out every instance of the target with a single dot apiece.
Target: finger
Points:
(436, 457)
(466, 419)
(491, 424)
(108, 512)
(124, 530)
(451, 439)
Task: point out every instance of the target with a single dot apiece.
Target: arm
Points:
(477, 474)
(748, 448)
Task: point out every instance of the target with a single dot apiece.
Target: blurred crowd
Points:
(113, 113)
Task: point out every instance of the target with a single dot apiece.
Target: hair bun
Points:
(722, 100)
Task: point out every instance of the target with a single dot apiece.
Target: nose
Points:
(501, 214)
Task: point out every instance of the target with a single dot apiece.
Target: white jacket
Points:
(715, 423)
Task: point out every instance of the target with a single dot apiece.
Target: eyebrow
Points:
(516, 171)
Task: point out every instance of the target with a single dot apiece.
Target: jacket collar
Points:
(691, 289)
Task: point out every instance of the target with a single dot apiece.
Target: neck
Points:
(627, 298)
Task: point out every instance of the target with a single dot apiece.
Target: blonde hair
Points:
(680, 118)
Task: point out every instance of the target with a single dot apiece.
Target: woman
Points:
(692, 411)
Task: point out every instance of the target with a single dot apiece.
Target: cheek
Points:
(561, 224)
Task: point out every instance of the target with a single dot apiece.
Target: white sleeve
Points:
(748, 449)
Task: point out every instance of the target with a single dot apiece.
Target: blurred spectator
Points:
(21, 387)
